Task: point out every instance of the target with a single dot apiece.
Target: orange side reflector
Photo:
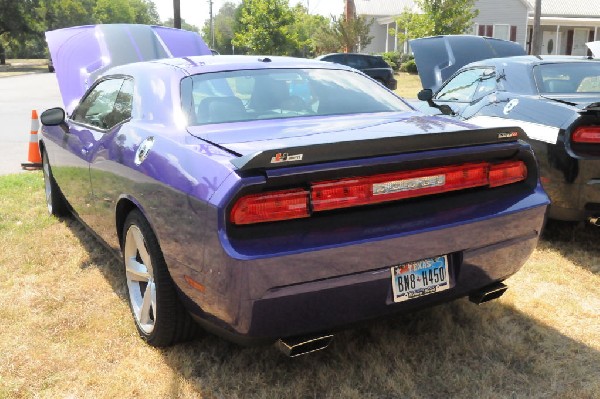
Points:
(194, 284)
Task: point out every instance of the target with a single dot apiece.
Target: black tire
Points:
(159, 315)
(57, 205)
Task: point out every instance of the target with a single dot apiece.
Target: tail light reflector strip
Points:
(356, 191)
(394, 186)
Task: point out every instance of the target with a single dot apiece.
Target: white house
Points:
(566, 24)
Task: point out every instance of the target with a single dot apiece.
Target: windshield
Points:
(568, 78)
(246, 95)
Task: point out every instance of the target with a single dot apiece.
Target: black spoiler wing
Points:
(347, 150)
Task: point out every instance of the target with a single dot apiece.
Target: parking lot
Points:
(19, 96)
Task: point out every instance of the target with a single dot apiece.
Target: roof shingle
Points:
(383, 7)
(550, 8)
(573, 8)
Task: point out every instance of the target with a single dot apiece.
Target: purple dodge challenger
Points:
(276, 199)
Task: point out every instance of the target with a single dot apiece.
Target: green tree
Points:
(306, 27)
(412, 25)
(145, 12)
(449, 17)
(264, 27)
(344, 35)
(113, 12)
(58, 14)
(224, 25)
(184, 25)
(438, 17)
(16, 21)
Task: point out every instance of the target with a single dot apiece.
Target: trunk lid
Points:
(583, 102)
(278, 143)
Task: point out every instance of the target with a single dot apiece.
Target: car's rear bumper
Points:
(573, 185)
(392, 84)
(259, 308)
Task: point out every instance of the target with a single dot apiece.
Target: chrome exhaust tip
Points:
(302, 345)
(488, 293)
(594, 221)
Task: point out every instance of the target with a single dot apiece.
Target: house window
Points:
(499, 31)
(502, 32)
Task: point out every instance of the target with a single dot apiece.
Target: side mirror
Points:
(427, 95)
(53, 117)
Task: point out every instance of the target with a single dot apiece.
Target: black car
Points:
(371, 65)
(554, 99)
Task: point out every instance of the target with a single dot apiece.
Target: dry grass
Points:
(15, 67)
(67, 333)
(408, 84)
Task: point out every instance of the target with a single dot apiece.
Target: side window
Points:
(377, 62)
(123, 104)
(487, 84)
(469, 85)
(98, 104)
(357, 62)
(338, 58)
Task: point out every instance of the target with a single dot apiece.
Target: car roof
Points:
(208, 63)
(359, 54)
(532, 60)
(517, 70)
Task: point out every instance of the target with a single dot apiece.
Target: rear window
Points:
(568, 78)
(246, 95)
(377, 62)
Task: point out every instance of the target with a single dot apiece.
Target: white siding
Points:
(379, 33)
(508, 12)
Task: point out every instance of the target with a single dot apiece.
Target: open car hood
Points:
(439, 57)
(80, 54)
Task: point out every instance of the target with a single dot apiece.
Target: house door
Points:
(549, 45)
(580, 37)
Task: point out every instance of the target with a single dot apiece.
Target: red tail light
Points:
(343, 193)
(269, 207)
(394, 186)
(507, 173)
(587, 134)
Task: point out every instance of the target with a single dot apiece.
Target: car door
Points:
(86, 127)
(468, 91)
(109, 168)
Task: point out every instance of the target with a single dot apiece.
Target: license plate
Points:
(423, 277)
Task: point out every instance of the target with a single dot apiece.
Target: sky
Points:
(195, 12)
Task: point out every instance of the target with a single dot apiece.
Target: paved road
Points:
(18, 96)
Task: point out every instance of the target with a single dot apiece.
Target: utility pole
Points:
(536, 37)
(212, 26)
(176, 14)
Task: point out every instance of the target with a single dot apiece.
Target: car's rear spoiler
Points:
(328, 152)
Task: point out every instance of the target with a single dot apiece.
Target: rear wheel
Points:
(56, 203)
(159, 316)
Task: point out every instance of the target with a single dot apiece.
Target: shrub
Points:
(393, 58)
(409, 66)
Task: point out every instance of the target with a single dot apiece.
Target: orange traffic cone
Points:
(34, 157)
